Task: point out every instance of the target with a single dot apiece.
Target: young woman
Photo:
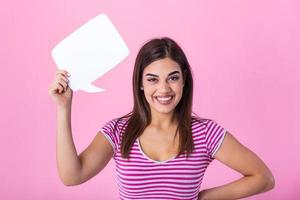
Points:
(161, 148)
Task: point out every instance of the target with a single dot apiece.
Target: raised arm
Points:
(74, 169)
(257, 178)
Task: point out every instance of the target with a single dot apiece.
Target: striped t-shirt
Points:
(180, 177)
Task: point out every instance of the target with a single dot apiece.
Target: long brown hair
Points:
(140, 117)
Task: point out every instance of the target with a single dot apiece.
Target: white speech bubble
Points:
(90, 52)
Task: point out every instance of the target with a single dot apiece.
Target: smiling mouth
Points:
(164, 99)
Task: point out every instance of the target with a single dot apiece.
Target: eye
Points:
(174, 78)
(152, 80)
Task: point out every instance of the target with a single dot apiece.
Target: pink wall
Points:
(245, 58)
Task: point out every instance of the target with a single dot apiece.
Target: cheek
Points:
(179, 92)
(178, 87)
(148, 91)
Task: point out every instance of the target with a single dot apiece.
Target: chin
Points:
(163, 109)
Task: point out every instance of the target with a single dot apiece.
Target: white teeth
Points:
(164, 99)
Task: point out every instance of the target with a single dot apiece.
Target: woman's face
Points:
(163, 85)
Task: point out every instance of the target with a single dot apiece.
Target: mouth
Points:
(164, 100)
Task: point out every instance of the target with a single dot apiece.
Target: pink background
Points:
(245, 58)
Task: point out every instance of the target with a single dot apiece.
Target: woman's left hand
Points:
(256, 178)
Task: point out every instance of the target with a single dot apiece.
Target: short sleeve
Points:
(110, 131)
(215, 134)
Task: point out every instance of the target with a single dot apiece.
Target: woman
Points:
(161, 149)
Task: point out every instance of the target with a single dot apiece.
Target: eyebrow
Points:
(175, 72)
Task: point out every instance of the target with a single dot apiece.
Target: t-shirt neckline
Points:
(155, 161)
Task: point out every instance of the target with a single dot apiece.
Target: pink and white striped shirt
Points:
(140, 177)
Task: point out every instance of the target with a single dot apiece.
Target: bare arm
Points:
(74, 169)
(68, 163)
(257, 178)
(95, 157)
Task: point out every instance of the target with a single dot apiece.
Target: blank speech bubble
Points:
(90, 52)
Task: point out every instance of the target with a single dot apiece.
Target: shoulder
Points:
(206, 125)
(114, 128)
(200, 121)
(119, 122)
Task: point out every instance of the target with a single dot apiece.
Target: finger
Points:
(60, 88)
(54, 88)
(62, 72)
(63, 83)
(62, 78)
(60, 75)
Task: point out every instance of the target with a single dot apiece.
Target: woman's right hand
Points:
(59, 89)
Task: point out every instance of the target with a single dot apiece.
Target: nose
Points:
(164, 87)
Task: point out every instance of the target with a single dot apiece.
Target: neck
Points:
(163, 121)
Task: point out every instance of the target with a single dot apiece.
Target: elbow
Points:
(268, 181)
(67, 181)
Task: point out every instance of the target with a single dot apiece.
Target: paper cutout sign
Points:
(90, 52)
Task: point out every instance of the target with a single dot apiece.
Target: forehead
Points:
(162, 67)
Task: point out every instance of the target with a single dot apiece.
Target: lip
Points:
(168, 96)
(165, 96)
(162, 102)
